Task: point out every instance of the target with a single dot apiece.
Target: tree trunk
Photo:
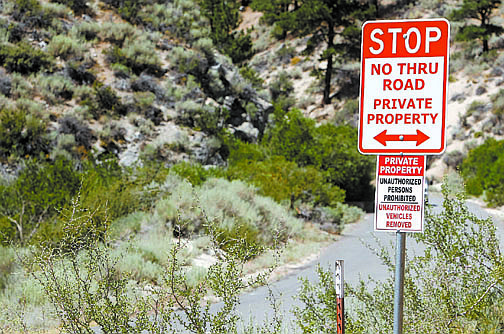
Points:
(484, 20)
(327, 81)
(485, 45)
(376, 4)
(328, 74)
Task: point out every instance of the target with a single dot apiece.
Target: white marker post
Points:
(340, 297)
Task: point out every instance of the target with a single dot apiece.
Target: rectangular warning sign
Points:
(400, 184)
(404, 71)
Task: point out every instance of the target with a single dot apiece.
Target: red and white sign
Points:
(399, 198)
(404, 72)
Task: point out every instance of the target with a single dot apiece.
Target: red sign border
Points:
(445, 93)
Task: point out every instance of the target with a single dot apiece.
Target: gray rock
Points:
(496, 72)
(458, 97)
(130, 156)
(481, 90)
(246, 132)
(488, 124)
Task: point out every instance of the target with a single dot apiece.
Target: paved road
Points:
(360, 262)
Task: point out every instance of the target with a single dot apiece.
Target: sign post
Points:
(404, 79)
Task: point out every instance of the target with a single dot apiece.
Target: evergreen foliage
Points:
(321, 20)
(224, 17)
(23, 58)
(482, 11)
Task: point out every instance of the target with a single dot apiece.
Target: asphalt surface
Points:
(360, 263)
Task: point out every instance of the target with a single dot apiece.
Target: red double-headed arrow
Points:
(383, 137)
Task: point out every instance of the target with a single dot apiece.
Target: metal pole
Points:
(340, 297)
(399, 282)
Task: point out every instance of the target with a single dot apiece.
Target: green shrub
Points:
(20, 87)
(235, 208)
(87, 289)
(189, 61)
(252, 76)
(138, 54)
(235, 205)
(105, 186)
(128, 9)
(87, 30)
(7, 264)
(180, 18)
(194, 173)
(116, 33)
(281, 91)
(347, 115)
(31, 13)
(328, 148)
(462, 279)
(238, 47)
(79, 7)
(35, 196)
(482, 171)
(104, 101)
(65, 47)
(83, 135)
(284, 181)
(203, 117)
(55, 88)
(23, 58)
(498, 103)
(21, 134)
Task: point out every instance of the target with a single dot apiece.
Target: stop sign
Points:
(404, 75)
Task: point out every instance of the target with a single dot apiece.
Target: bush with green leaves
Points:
(327, 147)
(21, 134)
(281, 90)
(498, 103)
(24, 58)
(79, 7)
(483, 171)
(30, 12)
(139, 54)
(180, 18)
(128, 9)
(285, 181)
(240, 211)
(103, 101)
(66, 47)
(34, 196)
(55, 88)
(116, 33)
(195, 173)
(454, 286)
(82, 280)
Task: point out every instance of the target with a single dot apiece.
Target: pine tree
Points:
(325, 21)
(482, 11)
(224, 17)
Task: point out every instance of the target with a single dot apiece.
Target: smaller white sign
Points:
(399, 197)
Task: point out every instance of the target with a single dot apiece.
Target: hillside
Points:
(162, 133)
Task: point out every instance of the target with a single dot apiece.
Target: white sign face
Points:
(399, 197)
(404, 72)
